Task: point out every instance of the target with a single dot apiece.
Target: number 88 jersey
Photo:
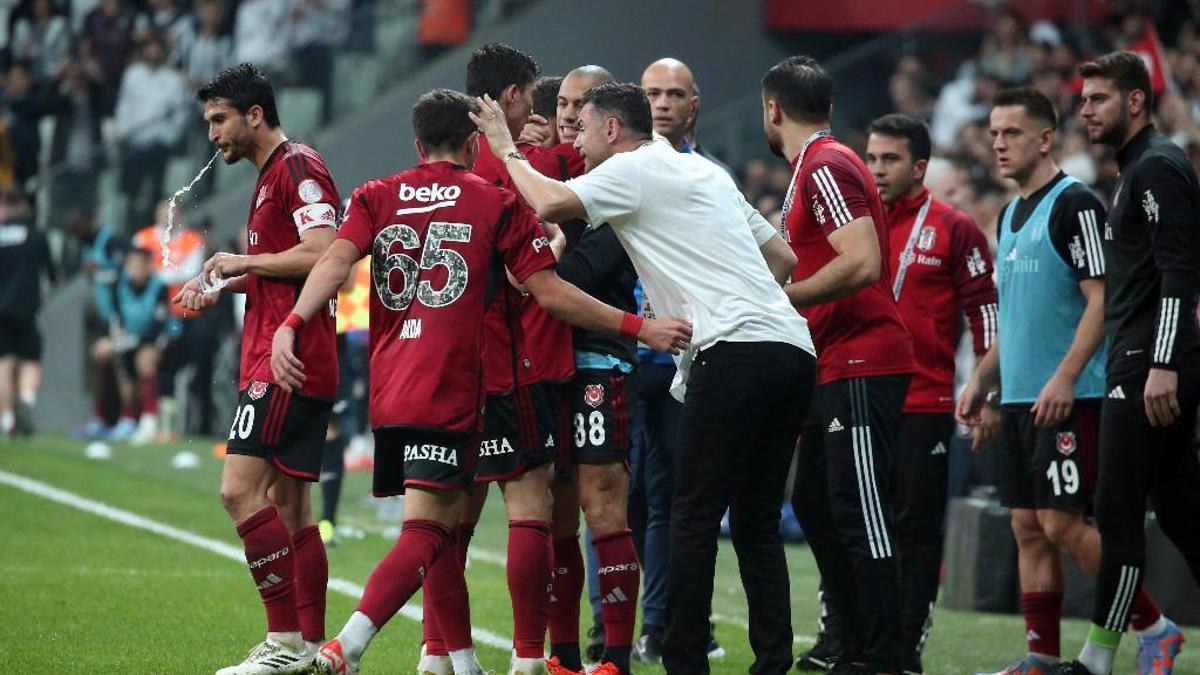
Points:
(440, 239)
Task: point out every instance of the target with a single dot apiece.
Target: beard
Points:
(1114, 134)
(775, 143)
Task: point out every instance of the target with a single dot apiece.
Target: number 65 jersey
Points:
(440, 239)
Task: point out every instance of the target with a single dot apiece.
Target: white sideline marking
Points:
(216, 546)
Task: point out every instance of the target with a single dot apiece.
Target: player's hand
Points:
(287, 369)
(970, 402)
(493, 125)
(536, 132)
(191, 298)
(1054, 402)
(226, 265)
(1161, 397)
(987, 431)
(666, 335)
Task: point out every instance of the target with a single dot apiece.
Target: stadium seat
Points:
(355, 82)
(300, 110)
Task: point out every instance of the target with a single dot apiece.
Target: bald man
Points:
(570, 97)
(673, 101)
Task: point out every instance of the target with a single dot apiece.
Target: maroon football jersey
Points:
(547, 339)
(861, 334)
(294, 193)
(440, 238)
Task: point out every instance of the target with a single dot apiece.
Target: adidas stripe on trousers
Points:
(843, 499)
(1138, 461)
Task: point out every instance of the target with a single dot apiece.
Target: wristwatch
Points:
(513, 154)
(992, 398)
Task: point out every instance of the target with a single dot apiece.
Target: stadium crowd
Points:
(166, 53)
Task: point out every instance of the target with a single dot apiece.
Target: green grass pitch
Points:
(81, 593)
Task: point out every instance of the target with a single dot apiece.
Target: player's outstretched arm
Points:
(580, 309)
(327, 276)
(857, 264)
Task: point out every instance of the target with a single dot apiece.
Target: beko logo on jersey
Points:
(429, 193)
(434, 453)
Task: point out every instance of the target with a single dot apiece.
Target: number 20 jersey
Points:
(439, 238)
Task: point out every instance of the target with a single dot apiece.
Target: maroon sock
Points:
(1043, 612)
(446, 595)
(312, 577)
(1144, 612)
(129, 410)
(401, 571)
(434, 642)
(431, 631)
(531, 557)
(148, 394)
(620, 578)
(98, 410)
(566, 591)
(269, 552)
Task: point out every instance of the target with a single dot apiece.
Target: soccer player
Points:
(836, 224)
(277, 437)
(432, 275)
(941, 270)
(700, 250)
(1050, 368)
(1152, 251)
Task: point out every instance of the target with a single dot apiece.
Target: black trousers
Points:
(843, 498)
(1139, 461)
(745, 405)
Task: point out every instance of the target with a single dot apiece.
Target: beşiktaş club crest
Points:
(1066, 443)
(927, 238)
(262, 197)
(257, 390)
(593, 395)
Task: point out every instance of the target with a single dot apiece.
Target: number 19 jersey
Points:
(440, 239)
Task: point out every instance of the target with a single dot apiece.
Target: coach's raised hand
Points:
(493, 125)
(285, 366)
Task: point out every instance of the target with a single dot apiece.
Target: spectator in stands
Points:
(22, 110)
(212, 50)
(151, 115)
(24, 263)
(135, 314)
(174, 21)
(966, 99)
(320, 28)
(1005, 53)
(909, 96)
(108, 40)
(267, 49)
(76, 150)
(42, 39)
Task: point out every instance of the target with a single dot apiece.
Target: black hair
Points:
(440, 119)
(1127, 70)
(243, 87)
(625, 101)
(801, 87)
(495, 66)
(545, 95)
(1036, 104)
(899, 125)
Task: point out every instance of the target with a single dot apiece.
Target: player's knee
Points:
(1064, 530)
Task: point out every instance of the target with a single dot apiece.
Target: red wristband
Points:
(294, 321)
(631, 325)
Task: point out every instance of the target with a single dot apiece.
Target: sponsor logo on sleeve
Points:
(314, 215)
(1150, 206)
(976, 265)
(1077, 256)
(818, 210)
(540, 243)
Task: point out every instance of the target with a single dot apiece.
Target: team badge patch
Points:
(262, 197)
(1066, 443)
(593, 395)
(257, 390)
(309, 191)
(927, 238)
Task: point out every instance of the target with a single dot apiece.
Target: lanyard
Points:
(791, 191)
(907, 257)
